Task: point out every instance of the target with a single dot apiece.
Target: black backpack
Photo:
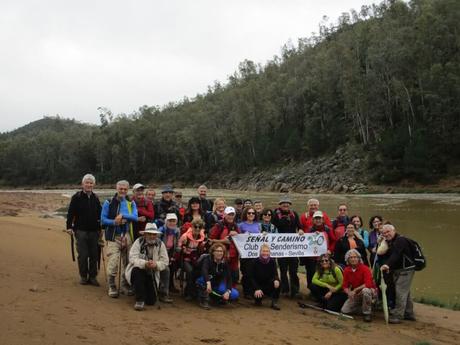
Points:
(417, 258)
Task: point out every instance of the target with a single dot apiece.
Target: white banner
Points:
(281, 245)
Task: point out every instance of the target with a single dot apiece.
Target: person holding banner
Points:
(319, 227)
(263, 275)
(287, 221)
(249, 225)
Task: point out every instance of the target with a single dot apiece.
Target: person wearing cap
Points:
(83, 222)
(147, 259)
(144, 206)
(206, 204)
(117, 216)
(238, 208)
(170, 234)
(306, 219)
(221, 233)
(287, 221)
(318, 226)
(165, 205)
(358, 285)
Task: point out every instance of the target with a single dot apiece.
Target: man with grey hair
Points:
(358, 285)
(399, 264)
(306, 218)
(118, 215)
(83, 222)
(206, 204)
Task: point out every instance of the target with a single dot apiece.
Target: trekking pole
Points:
(72, 246)
(119, 271)
(155, 288)
(306, 305)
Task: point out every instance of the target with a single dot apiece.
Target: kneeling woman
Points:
(263, 275)
(326, 284)
(216, 278)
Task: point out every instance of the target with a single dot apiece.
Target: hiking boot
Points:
(166, 299)
(275, 305)
(205, 304)
(113, 292)
(94, 282)
(258, 302)
(127, 290)
(367, 318)
(394, 320)
(83, 281)
(410, 318)
(139, 305)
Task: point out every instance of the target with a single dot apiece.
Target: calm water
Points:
(429, 219)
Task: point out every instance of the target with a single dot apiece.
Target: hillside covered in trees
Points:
(383, 82)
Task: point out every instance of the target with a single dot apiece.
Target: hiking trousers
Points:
(334, 303)
(87, 249)
(269, 290)
(403, 302)
(291, 265)
(114, 251)
(143, 285)
(360, 303)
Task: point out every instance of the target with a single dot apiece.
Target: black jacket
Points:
(214, 272)
(84, 212)
(262, 275)
(399, 254)
(342, 246)
(286, 222)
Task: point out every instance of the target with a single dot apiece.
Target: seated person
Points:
(358, 285)
(216, 277)
(147, 258)
(326, 284)
(263, 274)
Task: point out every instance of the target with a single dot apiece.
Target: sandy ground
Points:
(41, 302)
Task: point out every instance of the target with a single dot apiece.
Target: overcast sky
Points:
(69, 58)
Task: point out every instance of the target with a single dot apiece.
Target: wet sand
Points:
(41, 301)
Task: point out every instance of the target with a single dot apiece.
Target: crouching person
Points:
(216, 277)
(147, 258)
(263, 275)
(358, 285)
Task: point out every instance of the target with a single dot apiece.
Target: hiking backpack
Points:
(417, 259)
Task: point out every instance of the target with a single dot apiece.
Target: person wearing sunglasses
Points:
(266, 225)
(326, 285)
(192, 244)
(249, 225)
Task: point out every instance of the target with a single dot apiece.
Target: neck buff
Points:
(264, 259)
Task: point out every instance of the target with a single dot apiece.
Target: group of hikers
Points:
(153, 245)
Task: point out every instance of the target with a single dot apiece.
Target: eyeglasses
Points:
(197, 226)
(251, 213)
(324, 260)
(342, 209)
(268, 214)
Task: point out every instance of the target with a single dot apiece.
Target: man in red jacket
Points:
(144, 209)
(306, 219)
(358, 285)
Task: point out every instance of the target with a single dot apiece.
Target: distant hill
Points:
(378, 93)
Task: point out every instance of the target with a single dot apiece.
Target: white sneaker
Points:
(113, 292)
(139, 306)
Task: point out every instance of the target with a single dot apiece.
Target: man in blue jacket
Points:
(117, 216)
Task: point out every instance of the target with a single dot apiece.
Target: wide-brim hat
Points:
(150, 228)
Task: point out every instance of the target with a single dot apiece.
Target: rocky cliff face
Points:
(342, 172)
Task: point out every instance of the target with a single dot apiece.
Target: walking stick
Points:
(383, 288)
(305, 305)
(119, 271)
(155, 288)
(72, 246)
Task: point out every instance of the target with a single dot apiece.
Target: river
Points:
(430, 219)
